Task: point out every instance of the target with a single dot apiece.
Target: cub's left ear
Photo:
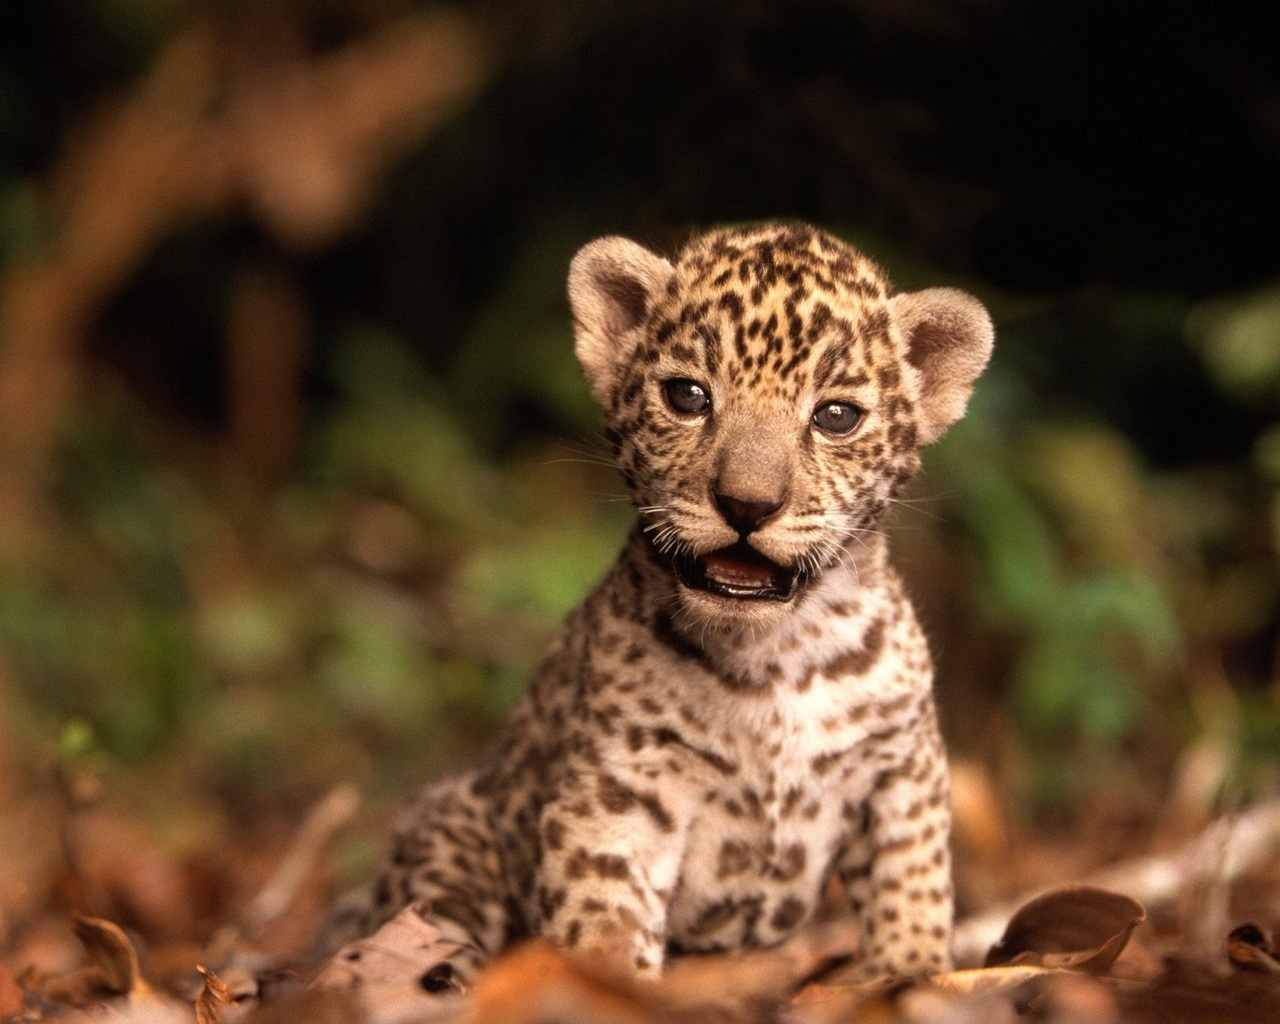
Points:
(948, 336)
(613, 283)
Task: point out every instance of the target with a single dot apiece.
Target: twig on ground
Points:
(325, 819)
(281, 889)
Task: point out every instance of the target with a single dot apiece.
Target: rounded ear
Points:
(948, 335)
(613, 283)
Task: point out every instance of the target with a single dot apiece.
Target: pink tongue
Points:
(736, 570)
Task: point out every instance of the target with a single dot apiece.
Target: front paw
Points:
(612, 939)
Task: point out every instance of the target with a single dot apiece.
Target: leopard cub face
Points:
(766, 395)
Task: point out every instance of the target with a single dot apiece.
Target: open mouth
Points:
(738, 571)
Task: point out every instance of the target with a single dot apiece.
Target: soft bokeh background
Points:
(298, 475)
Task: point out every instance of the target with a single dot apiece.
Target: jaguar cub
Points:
(741, 710)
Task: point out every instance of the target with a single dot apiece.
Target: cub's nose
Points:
(746, 515)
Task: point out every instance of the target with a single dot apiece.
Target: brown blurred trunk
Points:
(222, 121)
(267, 339)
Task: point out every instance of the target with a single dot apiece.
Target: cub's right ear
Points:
(613, 283)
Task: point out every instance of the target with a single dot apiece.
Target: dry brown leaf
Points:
(960, 997)
(1251, 949)
(10, 994)
(986, 980)
(402, 972)
(821, 1003)
(1077, 927)
(112, 969)
(1193, 993)
(212, 998)
(111, 950)
(754, 983)
(538, 984)
(407, 950)
(151, 1011)
(989, 994)
(310, 1006)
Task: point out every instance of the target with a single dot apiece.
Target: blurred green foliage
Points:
(1129, 590)
(393, 594)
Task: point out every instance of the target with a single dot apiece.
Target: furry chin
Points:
(700, 610)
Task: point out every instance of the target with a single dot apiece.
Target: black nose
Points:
(747, 515)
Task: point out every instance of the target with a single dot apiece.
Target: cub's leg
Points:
(611, 851)
(444, 861)
(896, 871)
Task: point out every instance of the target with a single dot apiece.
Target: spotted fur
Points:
(741, 710)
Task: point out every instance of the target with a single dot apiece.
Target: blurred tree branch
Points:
(222, 122)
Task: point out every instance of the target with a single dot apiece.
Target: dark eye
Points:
(686, 396)
(837, 418)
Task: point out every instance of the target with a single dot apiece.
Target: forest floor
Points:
(210, 916)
